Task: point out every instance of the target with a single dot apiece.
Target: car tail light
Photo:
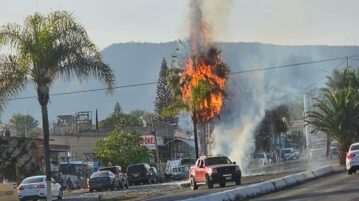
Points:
(40, 186)
(350, 155)
(20, 188)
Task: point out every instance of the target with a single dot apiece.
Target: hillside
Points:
(135, 63)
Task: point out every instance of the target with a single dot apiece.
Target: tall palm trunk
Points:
(195, 137)
(43, 96)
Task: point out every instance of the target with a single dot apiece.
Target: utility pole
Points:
(156, 145)
(97, 127)
(306, 126)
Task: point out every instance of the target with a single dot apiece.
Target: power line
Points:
(290, 65)
(85, 91)
(155, 82)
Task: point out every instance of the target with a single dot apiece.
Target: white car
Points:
(261, 159)
(352, 160)
(34, 188)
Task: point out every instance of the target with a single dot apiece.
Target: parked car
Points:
(352, 159)
(117, 171)
(180, 173)
(210, 170)
(103, 180)
(139, 173)
(289, 154)
(156, 176)
(35, 188)
(174, 167)
(261, 159)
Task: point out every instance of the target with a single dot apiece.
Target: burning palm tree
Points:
(200, 87)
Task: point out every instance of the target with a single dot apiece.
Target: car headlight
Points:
(237, 169)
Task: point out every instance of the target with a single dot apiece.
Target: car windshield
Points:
(136, 169)
(33, 180)
(217, 161)
(100, 174)
(111, 169)
(354, 147)
(287, 151)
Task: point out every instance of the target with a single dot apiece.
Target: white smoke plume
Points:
(208, 20)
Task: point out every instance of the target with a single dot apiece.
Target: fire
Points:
(203, 84)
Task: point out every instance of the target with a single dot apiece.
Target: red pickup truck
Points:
(210, 170)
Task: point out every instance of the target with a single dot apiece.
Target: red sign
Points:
(148, 141)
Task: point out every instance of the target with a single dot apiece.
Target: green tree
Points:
(337, 80)
(273, 124)
(25, 125)
(337, 115)
(120, 120)
(135, 117)
(163, 98)
(122, 148)
(116, 120)
(48, 48)
(343, 79)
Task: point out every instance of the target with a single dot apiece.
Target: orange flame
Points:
(203, 84)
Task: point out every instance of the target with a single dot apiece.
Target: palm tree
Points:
(337, 115)
(337, 80)
(47, 48)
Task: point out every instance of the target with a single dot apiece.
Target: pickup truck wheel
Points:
(193, 184)
(208, 182)
(238, 181)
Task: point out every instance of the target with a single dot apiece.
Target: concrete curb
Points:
(268, 186)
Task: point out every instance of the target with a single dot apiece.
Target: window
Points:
(100, 174)
(217, 160)
(33, 180)
(200, 164)
(354, 147)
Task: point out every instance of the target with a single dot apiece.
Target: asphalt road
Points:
(173, 192)
(339, 187)
(263, 174)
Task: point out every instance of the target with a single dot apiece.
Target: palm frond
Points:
(11, 34)
(13, 78)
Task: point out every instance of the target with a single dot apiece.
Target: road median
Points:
(250, 191)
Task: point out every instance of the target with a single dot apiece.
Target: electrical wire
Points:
(154, 82)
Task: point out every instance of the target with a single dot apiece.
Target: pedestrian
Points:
(69, 183)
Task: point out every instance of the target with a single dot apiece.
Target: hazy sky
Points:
(290, 22)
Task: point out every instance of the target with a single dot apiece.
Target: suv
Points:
(214, 169)
(117, 171)
(139, 173)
